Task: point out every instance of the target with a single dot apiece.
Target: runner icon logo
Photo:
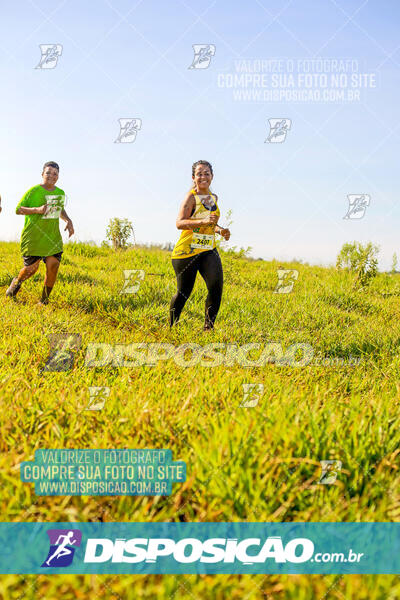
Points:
(128, 129)
(278, 129)
(133, 277)
(357, 205)
(330, 469)
(252, 392)
(286, 280)
(63, 347)
(98, 396)
(63, 543)
(202, 56)
(50, 54)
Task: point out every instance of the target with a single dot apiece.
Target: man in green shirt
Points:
(42, 206)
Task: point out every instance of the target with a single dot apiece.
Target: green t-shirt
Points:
(41, 234)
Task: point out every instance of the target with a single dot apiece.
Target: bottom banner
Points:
(200, 548)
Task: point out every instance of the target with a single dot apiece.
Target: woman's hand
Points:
(210, 219)
(226, 234)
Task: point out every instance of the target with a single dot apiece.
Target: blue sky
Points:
(130, 60)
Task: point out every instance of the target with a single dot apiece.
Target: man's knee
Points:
(53, 265)
(33, 268)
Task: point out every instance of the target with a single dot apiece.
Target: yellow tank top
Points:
(201, 239)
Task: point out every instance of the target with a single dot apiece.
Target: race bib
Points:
(55, 205)
(203, 241)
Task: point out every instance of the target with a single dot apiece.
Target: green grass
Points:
(243, 464)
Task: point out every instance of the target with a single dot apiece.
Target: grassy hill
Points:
(259, 463)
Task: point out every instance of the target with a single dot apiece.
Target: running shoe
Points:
(14, 288)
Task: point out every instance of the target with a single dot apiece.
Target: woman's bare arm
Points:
(184, 221)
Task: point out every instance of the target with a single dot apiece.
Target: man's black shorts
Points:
(29, 260)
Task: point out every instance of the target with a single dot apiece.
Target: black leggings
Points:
(209, 265)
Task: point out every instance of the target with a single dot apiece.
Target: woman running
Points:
(42, 206)
(196, 250)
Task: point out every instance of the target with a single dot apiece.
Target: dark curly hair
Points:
(201, 162)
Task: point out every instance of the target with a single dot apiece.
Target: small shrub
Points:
(359, 259)
(119, 232)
